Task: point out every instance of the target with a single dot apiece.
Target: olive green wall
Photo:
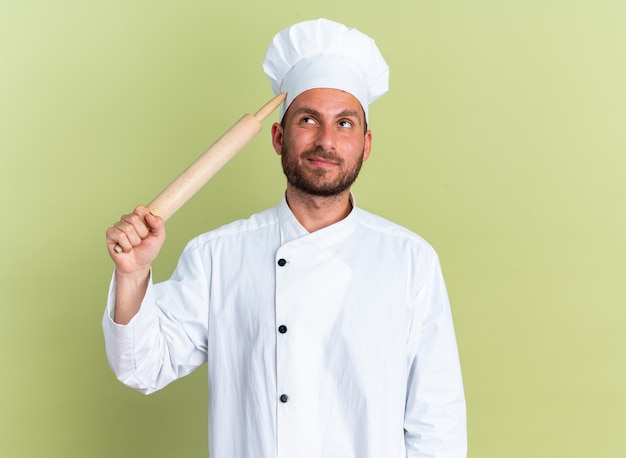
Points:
(501, 141)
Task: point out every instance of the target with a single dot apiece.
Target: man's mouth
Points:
(321, 162)
(321, 159)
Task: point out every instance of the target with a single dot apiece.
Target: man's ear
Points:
(367, 146)
(277, 138)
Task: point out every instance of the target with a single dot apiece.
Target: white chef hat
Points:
(325, 54)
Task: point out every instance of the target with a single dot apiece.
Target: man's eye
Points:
(345, 123)
(307, 120)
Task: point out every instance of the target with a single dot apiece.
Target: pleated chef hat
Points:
(325, 54)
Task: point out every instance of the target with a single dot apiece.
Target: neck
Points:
(316, 212)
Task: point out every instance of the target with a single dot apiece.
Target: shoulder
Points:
(378, 226)
(259, 223)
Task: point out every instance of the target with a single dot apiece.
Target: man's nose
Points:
(325, 138)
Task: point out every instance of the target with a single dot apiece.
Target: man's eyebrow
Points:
(349, 113)
(306, 110)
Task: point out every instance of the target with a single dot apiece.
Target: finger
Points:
(128, 232)
(156, 224)
(135, 223)
(141, 210)
(117, 239)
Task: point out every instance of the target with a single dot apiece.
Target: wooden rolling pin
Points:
(213, 159)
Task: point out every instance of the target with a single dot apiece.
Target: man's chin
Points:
(317, 190)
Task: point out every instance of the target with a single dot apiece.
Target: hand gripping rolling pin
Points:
(213, 159)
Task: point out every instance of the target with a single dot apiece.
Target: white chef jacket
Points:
(337, 343)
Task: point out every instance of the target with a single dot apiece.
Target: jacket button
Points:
(284, 398)
(282, 329)
(281, 262)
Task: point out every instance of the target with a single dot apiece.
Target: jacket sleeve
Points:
(167, 338)
(435, 416)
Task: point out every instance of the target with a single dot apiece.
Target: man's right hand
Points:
(140, 236)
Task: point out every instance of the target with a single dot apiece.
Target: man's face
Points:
(323, 142)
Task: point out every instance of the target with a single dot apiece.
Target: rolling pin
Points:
(210, 162)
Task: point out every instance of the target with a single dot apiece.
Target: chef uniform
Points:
(336, 343)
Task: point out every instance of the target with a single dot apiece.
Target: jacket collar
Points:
(291, 229)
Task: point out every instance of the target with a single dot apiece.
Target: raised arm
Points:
(141, 236)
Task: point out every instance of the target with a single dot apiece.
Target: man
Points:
(326, 329)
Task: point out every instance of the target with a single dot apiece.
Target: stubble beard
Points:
(313, 182)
